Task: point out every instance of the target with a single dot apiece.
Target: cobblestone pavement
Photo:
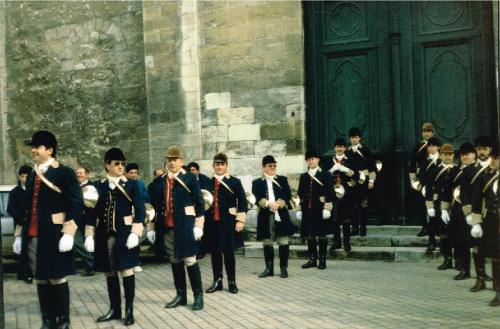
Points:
(348, 294)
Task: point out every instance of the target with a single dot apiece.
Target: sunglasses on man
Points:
(118, 163)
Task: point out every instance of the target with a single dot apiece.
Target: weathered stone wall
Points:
(226, 76)
(77, 69)
(5, 160)
(173, 84)
(252, 81)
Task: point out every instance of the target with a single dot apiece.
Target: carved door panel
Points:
(351, 72)
(386, 67)
(453, 70)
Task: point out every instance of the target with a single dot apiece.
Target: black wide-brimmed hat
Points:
(483, 141)
(114, 154)
(220, 158)
(25, 169)
(354, 131)
(311, 154)
(433, 141)
(43, 137)
(267, 160)
(466, 148)
(340, 142)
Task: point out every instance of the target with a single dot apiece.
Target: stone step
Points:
(371, 240)
(397, 254)
(371, 230)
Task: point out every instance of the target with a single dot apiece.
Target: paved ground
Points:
(348, 294)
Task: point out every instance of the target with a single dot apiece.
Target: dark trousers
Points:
(495, 267)
(418, 208)
(23, 270)
(460, 235)
(229, 262)
(346, 233)
(80, 251)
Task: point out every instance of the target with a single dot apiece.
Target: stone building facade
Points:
(211, 76)
(141, 75)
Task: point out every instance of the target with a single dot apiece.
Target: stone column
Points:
(7, 175)
(172, 77)
(496, 12)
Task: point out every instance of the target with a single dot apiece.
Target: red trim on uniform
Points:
(169, 202)
(33, 226)
(216, 200)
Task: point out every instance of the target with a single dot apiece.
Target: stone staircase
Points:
(386, 243)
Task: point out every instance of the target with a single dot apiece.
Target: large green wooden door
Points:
(349, 71)
(386, 67)
(453, 68)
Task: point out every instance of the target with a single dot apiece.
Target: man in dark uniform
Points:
(273, 195)
(344, 181)
(204, 181)
(179, 205)
(17, 209)
(426, 177)
(451, 204)
(132, 173)
(485, 219)
(364, 163)
(54, 207)
(441, 176)
(316, 202)
(224, 222)
(418, 157)
(194, 168)
(113, 231)
(473, 173)
(82, 174)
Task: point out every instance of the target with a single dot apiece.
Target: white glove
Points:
(132, 241)
(468, 219)
(344, 169)
(151, 236)
(326, 213)
(476, 231)
(298, 214)
(445, 216)
(336, 167)
(89, 244)
(16, 247)
(431, 212)
(198, 233)
(66, 243)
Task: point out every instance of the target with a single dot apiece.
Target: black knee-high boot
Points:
(355, 219)
(323, 242)
(129, 291)
(216, 285)
(337, 244)
(462, 257)
(180, 286)
(347, 236)
(446, 251)
(62, 305)
(495, 266)
(479, 266)
(312, 250)
(284, 251)
(46, 300)
(115, 311)
(363, 219)
(230, 263)
(196, 285)
(431, 229)
(269, 258)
